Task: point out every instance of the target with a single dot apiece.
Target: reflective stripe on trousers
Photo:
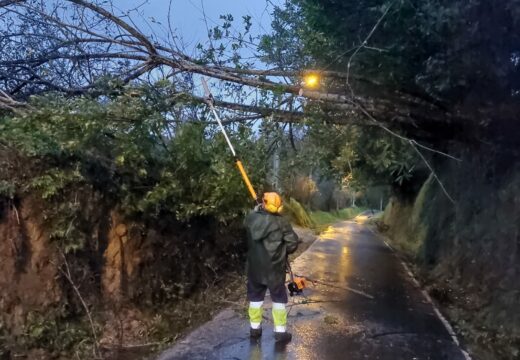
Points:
(255, 314)
(279, 315)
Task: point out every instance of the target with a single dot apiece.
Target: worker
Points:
(270, 240)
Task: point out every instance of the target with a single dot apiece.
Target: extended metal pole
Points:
(239, 164)
(212, 107)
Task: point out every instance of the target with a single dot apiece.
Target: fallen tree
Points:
(69, 45)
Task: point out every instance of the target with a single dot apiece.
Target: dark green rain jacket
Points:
(270, 238)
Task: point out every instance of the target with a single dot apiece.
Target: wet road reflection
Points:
(332, 322)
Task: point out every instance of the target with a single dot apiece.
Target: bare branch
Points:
(8, 103)
(48, 58)
(68, 276)
(283, 115)
(5, 3)
(365, 42)
(131, 30)
(413, 144)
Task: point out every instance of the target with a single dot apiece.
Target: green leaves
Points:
(53, 331)
(444, 49)
(54, 180)
(124, 148)
(371, 156)
(7, 189)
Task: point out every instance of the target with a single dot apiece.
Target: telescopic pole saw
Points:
(211, 103)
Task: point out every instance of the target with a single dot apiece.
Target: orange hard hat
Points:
(272, 202)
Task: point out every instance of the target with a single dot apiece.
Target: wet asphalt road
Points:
(332, 322)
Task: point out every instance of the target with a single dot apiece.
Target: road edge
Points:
(442, 318)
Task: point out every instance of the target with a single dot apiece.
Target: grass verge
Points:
(323, 219)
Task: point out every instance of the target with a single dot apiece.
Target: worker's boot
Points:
(255, 333)
(282, 337)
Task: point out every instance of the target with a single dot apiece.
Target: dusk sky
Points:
(188, 20)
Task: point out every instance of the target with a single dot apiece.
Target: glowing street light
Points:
(311, 80)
